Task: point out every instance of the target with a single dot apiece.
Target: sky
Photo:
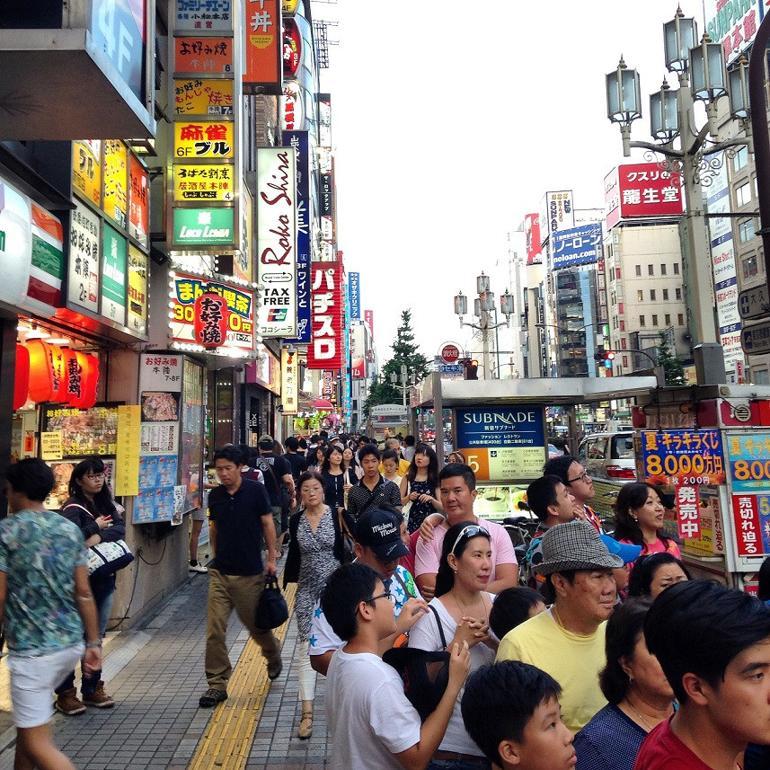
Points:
(450, 121)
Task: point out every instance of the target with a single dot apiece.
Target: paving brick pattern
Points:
(156, 722)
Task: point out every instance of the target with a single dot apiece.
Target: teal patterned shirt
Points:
(39, 551)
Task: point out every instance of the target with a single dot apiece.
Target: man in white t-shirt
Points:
(457, 490)
(372, 724)
(379, 546)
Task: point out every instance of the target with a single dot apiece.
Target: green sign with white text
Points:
(204, 227)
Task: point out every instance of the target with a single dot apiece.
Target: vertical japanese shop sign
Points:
(83, 278)
(137, 290)
(138, 202)
(369, 318)
(751, 514)
(354, 288)
(611, 199)
(277, 240)
(326, 349)
(357, 352)
(289, 381)
(299, 141)
(263, 45)
(87, 169)
(532, 236)
(116, 181)
(128, 448)
(113, 275)
(688, 512)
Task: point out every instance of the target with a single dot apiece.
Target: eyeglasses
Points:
(582, 477)
(386, 595)
(472, 530)
(94, 476)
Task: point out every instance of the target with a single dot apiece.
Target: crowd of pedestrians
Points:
(601, 654)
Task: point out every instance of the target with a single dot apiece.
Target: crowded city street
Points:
(384, 385)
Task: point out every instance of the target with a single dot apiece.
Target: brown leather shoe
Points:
(99, 698)
(67, 702)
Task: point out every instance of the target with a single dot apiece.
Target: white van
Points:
(609, 456)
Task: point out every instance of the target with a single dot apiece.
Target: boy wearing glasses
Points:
(372, 724)
(575, 477)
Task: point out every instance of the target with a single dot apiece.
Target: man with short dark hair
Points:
(567, 640)
(713, 644)
(511, 710)
(296, 460)
(240, 516)
(278, 480)
(576, 478)
(372, 725)
(45, 602)
(409, 447)
(372, 490)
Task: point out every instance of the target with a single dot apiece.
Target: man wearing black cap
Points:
(567, 641)
(379, 546)
(279, 481)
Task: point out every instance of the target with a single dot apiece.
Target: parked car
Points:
(609, 456)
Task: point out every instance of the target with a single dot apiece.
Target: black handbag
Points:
(425, 673)
(272, 610)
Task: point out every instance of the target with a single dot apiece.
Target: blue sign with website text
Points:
(576, 246)
(500, 426)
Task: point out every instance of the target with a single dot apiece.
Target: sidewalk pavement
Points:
(155, 674)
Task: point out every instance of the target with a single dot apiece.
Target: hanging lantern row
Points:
(49, 373)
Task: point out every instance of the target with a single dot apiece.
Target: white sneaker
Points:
(196, 566)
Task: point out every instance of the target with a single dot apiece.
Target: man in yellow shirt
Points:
(567, 640)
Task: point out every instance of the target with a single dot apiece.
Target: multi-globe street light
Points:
(702, 77)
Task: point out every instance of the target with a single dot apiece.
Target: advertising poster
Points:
(711, 540)
(733, 24)
(129, 444)
(159, 406)
(263, 45)
(686, 457)
(326, 350)
(749, 462)
(502, 443)
(138, 202)
(116, 181)
(157, 479)
(62, 473)
(203, 139)
(243, 258)
(277, 240)
(611, 200)
(204, 227)
(576, 246)
(160, 438)
(196, 96)
(203, 55)
(137, 290)
(533, 240)
(83, 283)
(357, 352)
(200, 15)
(85, 432)
(51, 445)
(114, 264)
(204, 183)
(87, 169)
(191, 457)
(160, 373)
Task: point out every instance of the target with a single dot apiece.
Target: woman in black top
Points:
(92, 507)
(336, 480)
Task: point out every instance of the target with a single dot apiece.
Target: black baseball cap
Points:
(381, 531)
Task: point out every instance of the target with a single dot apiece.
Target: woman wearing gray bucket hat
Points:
(567, 641)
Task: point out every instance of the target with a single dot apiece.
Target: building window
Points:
(654, 319)
(622, 325)
(676, 268)
(665, 294)
(680, 319)
(650, 270)
(617, 273)
(668, 319)
(640, 295)
(750, 266)
(741, 159)
(653, 295)
(746, 230)
(638, 271)
(641, 320)
(663, 269)
(625, 361)
(678, 292)
(743, 194)
(623, 343)
(760, 377)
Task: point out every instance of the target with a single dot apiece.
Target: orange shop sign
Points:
(204, 55)
(263, 45)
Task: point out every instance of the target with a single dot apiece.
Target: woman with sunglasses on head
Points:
(461, 606)
(419, 488)
(92, 507)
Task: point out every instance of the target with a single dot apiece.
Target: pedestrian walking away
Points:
(240, 518)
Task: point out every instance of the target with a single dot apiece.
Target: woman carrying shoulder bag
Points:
(316, 549)
(92, 507)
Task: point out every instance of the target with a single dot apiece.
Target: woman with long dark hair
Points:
(350, 463)
(639, 695)
(92, 507)
(419, 488)
(639, 520)
(460, 613)
(337, 481)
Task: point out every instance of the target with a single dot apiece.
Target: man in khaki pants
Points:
(239, 517)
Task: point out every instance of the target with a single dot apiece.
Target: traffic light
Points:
(605, 357)
(470, 369)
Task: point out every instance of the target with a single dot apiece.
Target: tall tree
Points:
(672, 366)
(406, 352)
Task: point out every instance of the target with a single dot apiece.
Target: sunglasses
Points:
(472, 530)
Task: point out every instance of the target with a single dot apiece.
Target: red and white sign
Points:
(326, 348)
(645, 190)
(611, 200)
(369, 319)
(450, 353)
(532, 234)
(211, 320)
(747, 524)
(688, 512)
(292, 48)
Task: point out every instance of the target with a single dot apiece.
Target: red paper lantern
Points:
(58, 374)
(211, 320)
(73, 380)
(21, 377)
(88, 367)
(40, 371)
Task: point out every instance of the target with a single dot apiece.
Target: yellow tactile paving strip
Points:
(227, 741)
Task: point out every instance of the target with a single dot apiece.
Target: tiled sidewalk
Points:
(156, 676)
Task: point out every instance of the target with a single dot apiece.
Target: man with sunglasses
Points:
(457, 490)
(577, 480)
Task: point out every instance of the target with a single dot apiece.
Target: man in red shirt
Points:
(714, 646)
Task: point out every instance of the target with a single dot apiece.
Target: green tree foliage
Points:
(672, 366)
